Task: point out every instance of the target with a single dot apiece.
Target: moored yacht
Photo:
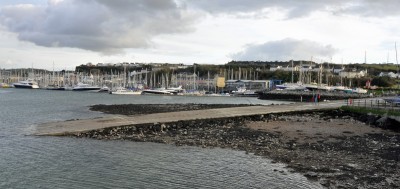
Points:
(85, 87)
(359, 91)
(124, 91)
(393, 100)
(343, 89)
(55, 87)
(156, 91)
(4, 85)
(165, 91)
(242, 91)
(105, 89)
(291, 86)
(27, 84)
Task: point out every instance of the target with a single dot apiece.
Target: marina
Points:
(203, 94)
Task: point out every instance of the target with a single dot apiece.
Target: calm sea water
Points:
(60, 162)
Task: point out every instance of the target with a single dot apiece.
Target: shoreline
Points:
(330, 146)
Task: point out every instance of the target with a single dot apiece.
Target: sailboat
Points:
(292, 85)
(55, 86)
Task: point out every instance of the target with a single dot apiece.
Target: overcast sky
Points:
(73, 32)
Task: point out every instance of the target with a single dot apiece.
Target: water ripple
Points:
(54, 162)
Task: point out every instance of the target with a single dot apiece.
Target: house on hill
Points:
(389, 74)
(352, 73)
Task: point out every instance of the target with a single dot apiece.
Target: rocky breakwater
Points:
(331, 147)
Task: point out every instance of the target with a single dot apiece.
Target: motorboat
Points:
(324, 87)
(359, 91)
(311, 87)
(342, 89)
(164, 91)
(242, 91)
(338, 88)
(157, 91)
(85, 87)
(124, 91)
(291, 86)
(219, 94)
(55, 88)
(4, 85)
(393, 100)
(175, 90)
(104, 89)
(27, 84)
(194, 93)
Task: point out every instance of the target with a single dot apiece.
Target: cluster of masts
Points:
(305, 82)
(134, 81)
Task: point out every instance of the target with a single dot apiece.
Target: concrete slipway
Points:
(75, 126)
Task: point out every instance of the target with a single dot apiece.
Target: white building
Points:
(389, 74)
(353, 74)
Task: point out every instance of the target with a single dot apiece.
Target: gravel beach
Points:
(335, 148)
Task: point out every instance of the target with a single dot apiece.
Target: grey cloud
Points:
(285, 49)
(299, 8)
(97, 25)
(372, 8)
(294, 7)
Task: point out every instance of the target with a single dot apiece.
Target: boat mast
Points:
(292, 70)
(194, 76)
(311, 71)
(397, 62)
(208, 80)
(146, 78)
(52, 78)
(300, 73)
(124, 75)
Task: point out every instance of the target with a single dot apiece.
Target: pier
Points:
(84, 125)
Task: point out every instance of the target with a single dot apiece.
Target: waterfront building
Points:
(249, 84)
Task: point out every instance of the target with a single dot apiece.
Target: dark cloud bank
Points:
(98, 25)
(110, 26)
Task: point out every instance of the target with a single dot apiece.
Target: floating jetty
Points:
(308, 96)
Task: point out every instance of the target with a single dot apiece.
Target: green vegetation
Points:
(375, 69)
(364, 110)
(384, 81)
